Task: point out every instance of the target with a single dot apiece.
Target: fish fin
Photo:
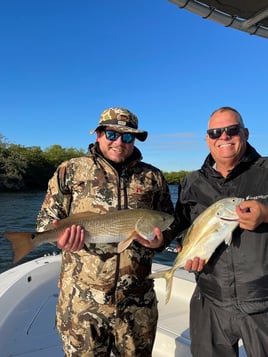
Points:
(228, 238)
(125, 243)
(168, 275)
(22, 243)
(169, 281)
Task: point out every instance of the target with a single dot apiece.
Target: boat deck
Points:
(28, 295)
(173, 325)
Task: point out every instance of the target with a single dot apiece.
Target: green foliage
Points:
(55, 154)
(173, 178)
(13, 165)
(24, 168)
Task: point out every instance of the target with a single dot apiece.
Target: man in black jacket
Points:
(231, 297)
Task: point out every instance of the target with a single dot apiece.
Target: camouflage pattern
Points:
(121, 119)
(105, 298)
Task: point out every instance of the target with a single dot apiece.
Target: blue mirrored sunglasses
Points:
(230, 130)
(112, 135)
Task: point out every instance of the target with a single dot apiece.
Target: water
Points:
(18, 212)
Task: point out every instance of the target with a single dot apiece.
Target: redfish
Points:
(113, 227)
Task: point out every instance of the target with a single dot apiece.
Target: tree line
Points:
(29, 168)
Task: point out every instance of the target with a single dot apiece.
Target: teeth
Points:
(117, 150)
(225, 145)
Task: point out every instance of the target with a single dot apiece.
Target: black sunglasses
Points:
(231, 130)
(112, 135)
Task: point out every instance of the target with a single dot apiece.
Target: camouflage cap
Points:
(121, 119)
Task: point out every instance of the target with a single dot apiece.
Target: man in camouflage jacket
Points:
(106, 303)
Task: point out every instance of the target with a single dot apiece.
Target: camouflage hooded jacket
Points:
(91, 183)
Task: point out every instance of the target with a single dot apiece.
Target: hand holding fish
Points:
(72, 238)
(197, 264)
(157, 242)
(251, 214)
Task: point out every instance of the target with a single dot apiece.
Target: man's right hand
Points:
(192, 265)
(72, 239)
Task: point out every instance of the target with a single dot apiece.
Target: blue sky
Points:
(63, 62)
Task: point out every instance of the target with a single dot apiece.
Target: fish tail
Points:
(168, 276)
(22, 243)
(158, 274)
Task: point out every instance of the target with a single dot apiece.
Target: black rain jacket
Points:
(235, 275)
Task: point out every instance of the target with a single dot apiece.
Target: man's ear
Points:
(246, 133)
(98, 133)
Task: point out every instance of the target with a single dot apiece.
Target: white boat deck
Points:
(173, 325)
(28, 295)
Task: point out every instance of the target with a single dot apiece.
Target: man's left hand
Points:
(251, 214)
(157, 242)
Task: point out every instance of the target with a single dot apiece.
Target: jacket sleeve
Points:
(57, 200)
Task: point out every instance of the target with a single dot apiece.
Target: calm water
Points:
(18, 212)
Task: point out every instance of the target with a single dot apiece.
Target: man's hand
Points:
(72, 239)
(251, 214)
(154, 243)
(195, 265)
